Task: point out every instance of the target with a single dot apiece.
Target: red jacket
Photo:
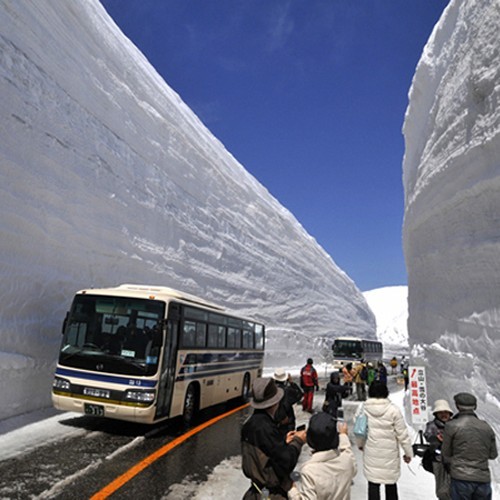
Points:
(308, 376)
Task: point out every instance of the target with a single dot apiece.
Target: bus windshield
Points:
(113, 334)
(347, 348)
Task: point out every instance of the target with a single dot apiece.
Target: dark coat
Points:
(432, 430)
(468, 444)
(333, 397)
(382, 374)
(285, 415)
(266, 458)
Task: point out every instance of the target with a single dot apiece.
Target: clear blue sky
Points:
(309, 96)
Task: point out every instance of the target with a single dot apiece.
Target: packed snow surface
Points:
(452, 206)
(109, 178)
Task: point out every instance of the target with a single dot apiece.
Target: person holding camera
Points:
(268, 457)
(285, 415)
(328, 474)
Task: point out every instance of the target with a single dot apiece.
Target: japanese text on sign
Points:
(418, 395)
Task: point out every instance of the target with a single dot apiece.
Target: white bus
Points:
(145, 354)
(353, 350)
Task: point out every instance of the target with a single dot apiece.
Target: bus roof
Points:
(151, 292)
(356, 338)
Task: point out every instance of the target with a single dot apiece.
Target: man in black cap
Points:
(268, 458)
(468, 444)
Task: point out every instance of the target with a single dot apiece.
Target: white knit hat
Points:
(441, 405)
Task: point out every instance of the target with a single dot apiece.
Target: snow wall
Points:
(452, 206)
(108, 178)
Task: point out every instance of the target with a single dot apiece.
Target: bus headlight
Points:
(140, 396)
(61, 384)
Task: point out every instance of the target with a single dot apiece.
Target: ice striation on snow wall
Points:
(108, 178)
(452, 206)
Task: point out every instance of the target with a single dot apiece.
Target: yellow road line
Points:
(139, 467)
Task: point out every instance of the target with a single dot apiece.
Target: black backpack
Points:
(364, 373)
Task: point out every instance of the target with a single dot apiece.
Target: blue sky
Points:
(309, 96)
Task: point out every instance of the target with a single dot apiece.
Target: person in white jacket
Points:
(328, 474)
(387, 433)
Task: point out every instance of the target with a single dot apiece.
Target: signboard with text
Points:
(418, 395)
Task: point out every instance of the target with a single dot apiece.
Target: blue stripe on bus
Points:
(130, 382)
(206, 367)
(202, 365)
(194, 359)
(205, 357)
(198, 374)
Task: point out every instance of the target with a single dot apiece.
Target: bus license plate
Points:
(95, 410)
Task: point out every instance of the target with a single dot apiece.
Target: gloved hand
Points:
(317, 388)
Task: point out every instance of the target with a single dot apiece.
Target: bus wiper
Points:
(133, 362)
(68, 355)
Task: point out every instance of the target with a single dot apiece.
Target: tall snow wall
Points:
(108, 177)
(452, 206)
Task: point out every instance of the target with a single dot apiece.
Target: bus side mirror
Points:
(65, 322)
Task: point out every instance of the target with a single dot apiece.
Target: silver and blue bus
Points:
(353, 350)
(145, 354)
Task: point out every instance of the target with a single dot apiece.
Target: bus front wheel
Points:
(190, 404)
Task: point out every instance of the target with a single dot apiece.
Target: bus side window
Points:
(188, 334)
(212, 336)
(259, 337)
(201, 335)
(221, 336)
(234, 337)
(247, 339)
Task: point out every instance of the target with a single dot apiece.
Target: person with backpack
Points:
(348, 374)
(285, 415)
(308, 382)
(434, 435)
(372, 373)
(360, 378)
(382, 372)
(394, 365)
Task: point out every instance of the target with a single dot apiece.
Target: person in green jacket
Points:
(372, 374)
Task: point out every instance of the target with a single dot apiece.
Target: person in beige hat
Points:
(285, 414)
(268, 457)
(434, 429)
(434, 435)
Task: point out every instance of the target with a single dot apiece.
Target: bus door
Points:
(167, 377)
